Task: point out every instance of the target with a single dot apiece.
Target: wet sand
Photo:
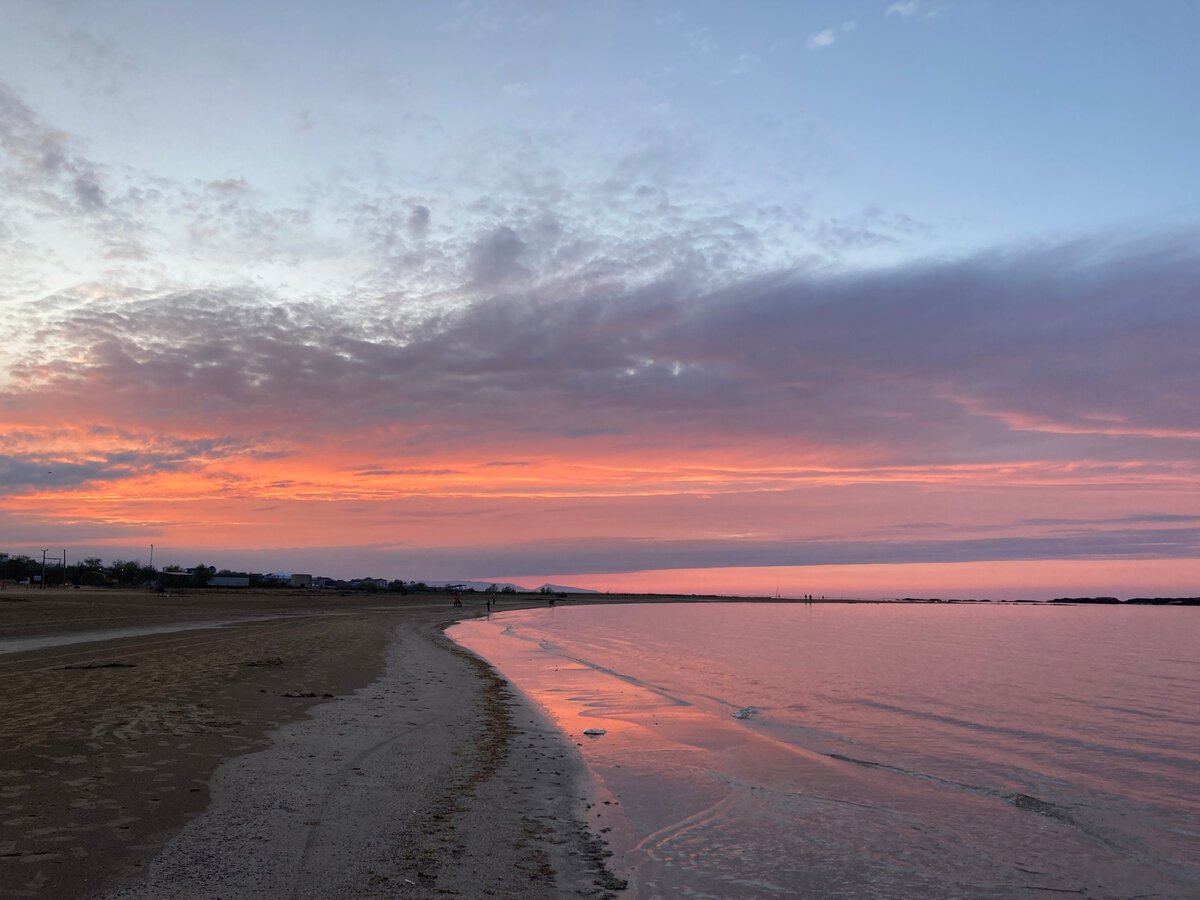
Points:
(317, 746)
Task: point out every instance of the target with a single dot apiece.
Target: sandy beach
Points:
(285, 745)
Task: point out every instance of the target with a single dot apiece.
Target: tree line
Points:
(93, 570)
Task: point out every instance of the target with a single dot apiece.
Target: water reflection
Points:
(905, 751)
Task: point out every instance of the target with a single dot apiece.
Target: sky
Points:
(846, 298)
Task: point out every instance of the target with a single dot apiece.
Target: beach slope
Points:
(310, 753)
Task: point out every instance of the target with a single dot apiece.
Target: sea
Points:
(875, 750)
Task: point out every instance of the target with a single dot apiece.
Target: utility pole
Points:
(44, 552)
(151, 556)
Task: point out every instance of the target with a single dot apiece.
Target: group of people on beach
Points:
(491, 601)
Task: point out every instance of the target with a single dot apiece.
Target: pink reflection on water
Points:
(917, 750)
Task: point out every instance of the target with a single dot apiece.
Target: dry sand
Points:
(317, 747)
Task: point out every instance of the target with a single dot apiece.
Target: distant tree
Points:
(491, 588)
(19, 567)
(544, 589)
(508, 589)
(127, 571)
(87, 571)
(173, 568)
(201, 574)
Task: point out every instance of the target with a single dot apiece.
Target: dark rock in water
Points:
(1164, 601)
(1133, 601)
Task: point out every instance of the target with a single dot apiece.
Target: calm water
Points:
(768, 750)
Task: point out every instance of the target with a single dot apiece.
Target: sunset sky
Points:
(866, 298)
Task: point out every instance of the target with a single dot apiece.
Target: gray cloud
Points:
(49, 187)
(22, 471)
(1080, 351)
(613, 554)
(418, 221)
(496, 256)
(41, 167)
(1082, 348)
(1140, 519)
(228, 187)
(507, 210)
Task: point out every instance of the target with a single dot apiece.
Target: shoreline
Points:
(346, 748)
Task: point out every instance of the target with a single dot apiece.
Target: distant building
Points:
(232, 581)
(301, 581)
